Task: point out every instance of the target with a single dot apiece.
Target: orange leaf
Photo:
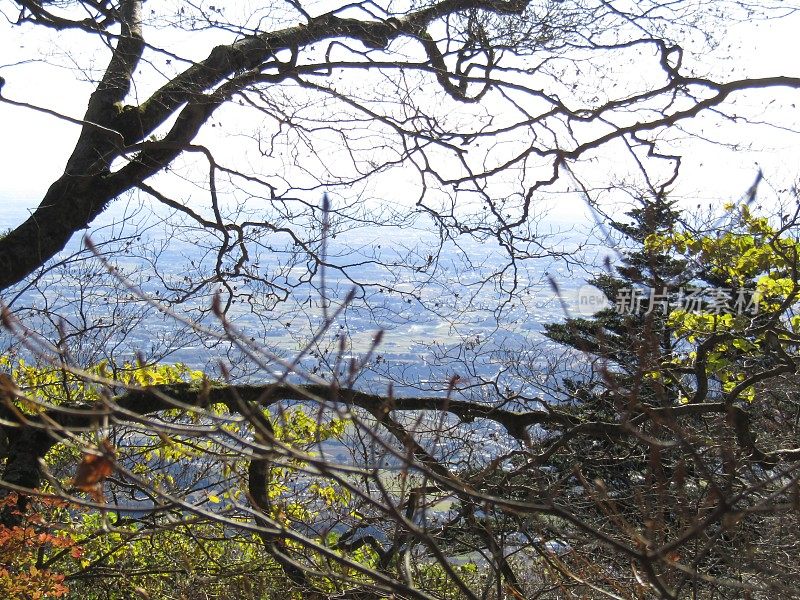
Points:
(93, 469)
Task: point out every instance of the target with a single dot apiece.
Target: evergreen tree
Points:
(632, 336)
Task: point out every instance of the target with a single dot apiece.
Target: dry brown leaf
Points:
(93, 469)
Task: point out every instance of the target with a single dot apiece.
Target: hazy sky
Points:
(35, 146)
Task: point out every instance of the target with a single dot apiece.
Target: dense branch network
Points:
(115, 152)
(460, 114)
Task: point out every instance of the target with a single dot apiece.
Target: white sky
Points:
(35, 146)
